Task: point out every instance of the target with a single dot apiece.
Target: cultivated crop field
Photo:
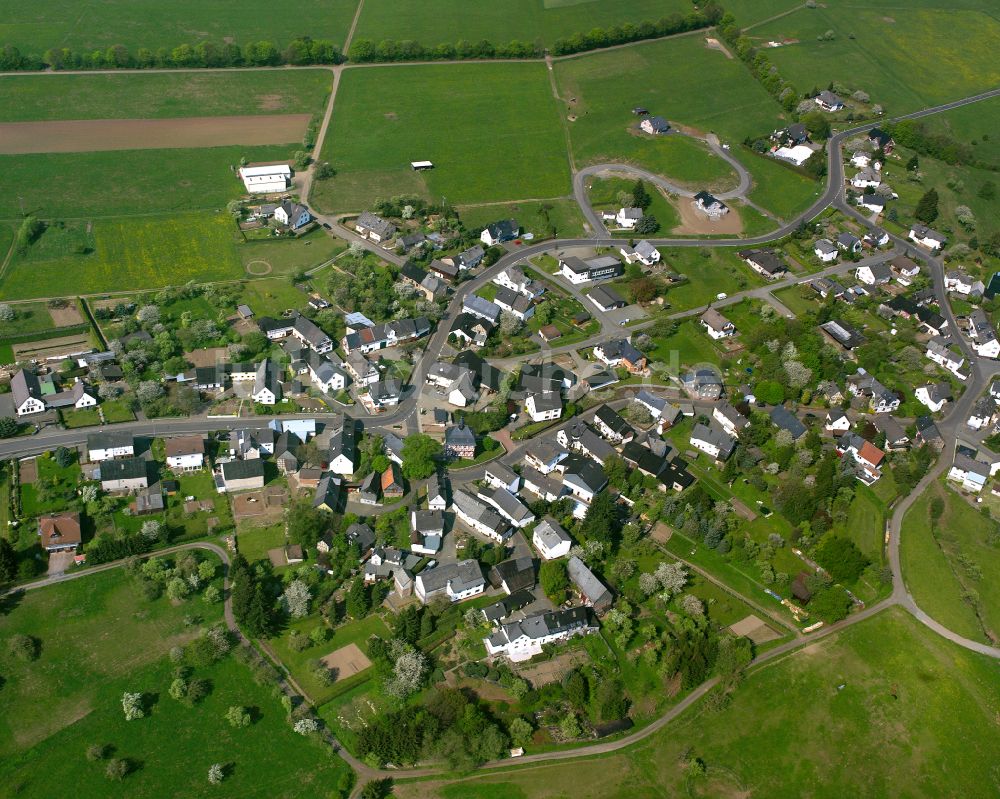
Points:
(152, 24)
(491, 130)
(30, 98)
(887, 686)
(905, 57)
(132, 253)
(436, 21)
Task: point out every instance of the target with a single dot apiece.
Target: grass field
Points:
(287, 256)
(886, 686)
(709, 272)
(31, 317)
(127, 182)
(504, 143)
(777, 188)
(688, 346)
(680, 79)
(865, 524)
(26, 98)
(99, 637)
(874, 49)
(974, 124)
(271, 296)
(133, 253)
(951, 567)
(150, 24)
(436, 21)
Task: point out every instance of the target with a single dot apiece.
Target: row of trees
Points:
(915, 135)
(302, 51)
(759, 64)
(709, 14)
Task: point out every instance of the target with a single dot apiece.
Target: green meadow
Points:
(492, 131)
(434, 22)
(884, 708)
(99, 637)
(905, 57)
(152, 24)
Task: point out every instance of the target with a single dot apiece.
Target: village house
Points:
(30, 396)
(960, 282)
(703, 384)
(925, 237)
(903, 267)
(576, 270)
(242, 475)
(624, 218)
(124, 474)
(59, 532)
(828, 101)
(896, 438)
(713, 441)
(982, 334)
(612, 426)
(457, 580)
(374, 228)
(764, 262)
(867, 457)
(837, 422)
(480, 517)
(544, 456)
(499, 232)
(514, 303)
(460, 442)
(185, 453)
(544, 406)
(499, 475)
(873, 274)
(593, 592)
(867, 178)
(292, 215)
(343, 448)
(969, 472)
(471, 330)
(108, 444)
(731, 420)
(654, 126)
(982, 413)
(713, 207)
(881, 399)
(482, 308)
(620, 352)
(267, 385)
(606, 298)
(643, 253)
(328, 493)
(522, 640)
(717, 325)
(934, 395)
(508, 506)
(872, 202)
(578, 437)
(513, 278)
(550, 539)
(945, 354)
(826, 251)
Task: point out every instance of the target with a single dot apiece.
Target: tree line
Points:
(303, 51)
(915, 135)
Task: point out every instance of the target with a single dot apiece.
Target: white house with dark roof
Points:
(499, 232)
(717, 325)
(543, 406)
(643, 253)
(457, 580)
(482, 518)
(710, 205)
(481, 308)
(828, 101)
(105, 445)
(713, 441)
(731, 420)
(654, 125)
(292, 215)
(945, 354)
(513, 278)
(606, 298)
(982, 334)
(550, 539)
(873, 274)
(374, 227)
(764, 262)
(826, 251)
(926, 237)
(514, 303)
(522, 640)
(934, 395)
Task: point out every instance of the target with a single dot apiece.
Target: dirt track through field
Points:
(90, 135)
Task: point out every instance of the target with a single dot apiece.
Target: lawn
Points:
(151, 95)
(351, 632)
(151, 24)
(506, 146)
(127, 182)
(603, 194)
(874, 49)
(680, 79)
(100, 637)
(117, 411)
(84, 417)
(558, 218)
(288, 256)
(782, 191)
(710, 272)
(690, 345)
(975, 125)
(133, 253)
(439, 21)
(36, 500)
(31, 318)
(951, 567)
(812, 721)
(271, 296)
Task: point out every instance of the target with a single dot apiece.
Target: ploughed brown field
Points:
(89, 135)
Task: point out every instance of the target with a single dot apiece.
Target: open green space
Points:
(886, 685)
(680, 79)
(865, 524)
(127, 181)
(271, 296)
(352, 632)
(447, 21)
(99, 637)
(974, 124)
(287, 256)
(603, 194)
(545, 219)
(782, 191)
(504, 143)
(151, 24)
(748, 12)
(688, 346)
(48, 493)
(709, 272)
(951, 565)
(31, 317)
(905, 58)
(133, 253)
(153, 95)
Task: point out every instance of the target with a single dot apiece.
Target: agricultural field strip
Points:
(69, 136)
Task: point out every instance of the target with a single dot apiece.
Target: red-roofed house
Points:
(60, 532)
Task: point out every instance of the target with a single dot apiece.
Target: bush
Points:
(23, 647)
